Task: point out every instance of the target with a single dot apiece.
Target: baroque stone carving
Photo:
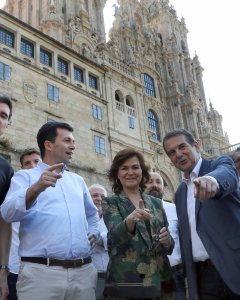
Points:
(30, 91)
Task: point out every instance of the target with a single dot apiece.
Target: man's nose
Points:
(32, 164)
(72, 146)
(178, 153)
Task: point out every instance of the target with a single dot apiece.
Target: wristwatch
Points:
(4, 267)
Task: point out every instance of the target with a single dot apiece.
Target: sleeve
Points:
(115, 222)
(6, 173)
(13, 208)
(91, 213)
(104, 239)
(224, 171)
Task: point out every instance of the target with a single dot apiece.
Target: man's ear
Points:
(48, 145)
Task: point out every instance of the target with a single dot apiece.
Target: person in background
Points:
(29, 158)
(138, 237)
(208, 209)
(236, 158)
(58, 222)
(100, 252)
(155, 187)
(6, 173)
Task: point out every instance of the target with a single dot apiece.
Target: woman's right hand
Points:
(140, 213)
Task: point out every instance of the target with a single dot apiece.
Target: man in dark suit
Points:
(6, 173)
(208, 209)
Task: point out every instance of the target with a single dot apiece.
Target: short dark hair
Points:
(233, 155)
(7, 101)
(118, 160)
(48, 132)
(176, 132)
(28, 151)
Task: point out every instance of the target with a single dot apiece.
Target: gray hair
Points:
(99, 186)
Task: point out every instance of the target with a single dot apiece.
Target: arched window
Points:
(153, 125)
(149, 85)
(119, 100)
(129, 101)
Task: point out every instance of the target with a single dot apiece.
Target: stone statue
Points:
(75, 24)
(86, 51)
(116, 10)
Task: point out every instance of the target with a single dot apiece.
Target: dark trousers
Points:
(179, 281)
(212, 287)
(12, 280)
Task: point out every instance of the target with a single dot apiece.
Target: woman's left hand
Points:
(165, 238)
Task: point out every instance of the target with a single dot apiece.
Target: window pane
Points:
(45, 57)
(131, 122)
(149, 85)
(78, 74)
(99, 145)
(62, 66)
(53, 93)
(27, 48)
(5, 72)
(6, 37)
(153, 125)
(1, 71)
(93, 82)
(97, 112)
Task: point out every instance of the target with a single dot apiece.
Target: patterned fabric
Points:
(134, 270)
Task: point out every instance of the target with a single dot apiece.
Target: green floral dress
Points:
(135, 269)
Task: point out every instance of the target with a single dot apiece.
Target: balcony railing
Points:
(120, 106)
(130, 111)
(230, 149)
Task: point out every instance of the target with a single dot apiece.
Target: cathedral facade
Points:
(56, 65)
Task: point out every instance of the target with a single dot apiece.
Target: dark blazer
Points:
(6, 173)
(134, 270)
(217, 224)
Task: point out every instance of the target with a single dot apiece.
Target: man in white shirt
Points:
(58, 222)
(155, 187)
(29, 158)
(100, 251)
(208, 209)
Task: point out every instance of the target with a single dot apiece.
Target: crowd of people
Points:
(62, 240)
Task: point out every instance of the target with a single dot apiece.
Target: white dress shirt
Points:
(14, 259)
(58, 222)
(100, 252)
(198, 250)
(170, 209)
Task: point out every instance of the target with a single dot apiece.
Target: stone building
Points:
(55, 64)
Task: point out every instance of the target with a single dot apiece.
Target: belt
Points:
(206, 264)
(102, 275)
(177, 267)
(76, 263)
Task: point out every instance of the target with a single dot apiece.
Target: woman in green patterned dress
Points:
(138, 237)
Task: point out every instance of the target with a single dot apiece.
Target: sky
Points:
(213, 27)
